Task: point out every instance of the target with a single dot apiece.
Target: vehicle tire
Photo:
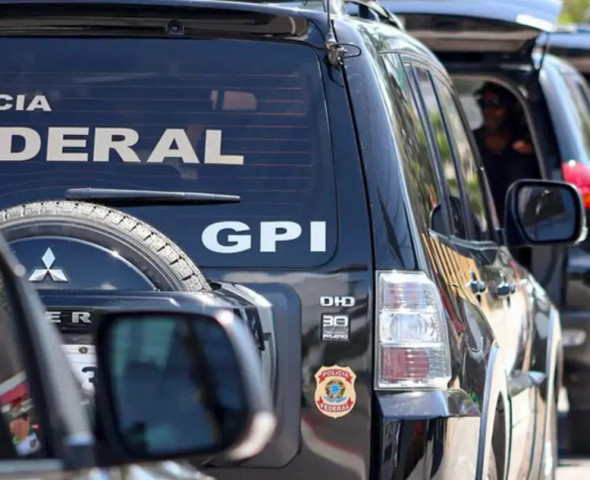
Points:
(492, 473)
(155, 255)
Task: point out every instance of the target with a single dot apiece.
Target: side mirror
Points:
(175, 385)
(542, 212)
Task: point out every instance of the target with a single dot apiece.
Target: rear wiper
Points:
(138, 198)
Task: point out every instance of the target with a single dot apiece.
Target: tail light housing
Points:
(412, 334)
(578, 174)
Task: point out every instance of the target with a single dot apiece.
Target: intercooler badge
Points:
(335, 395)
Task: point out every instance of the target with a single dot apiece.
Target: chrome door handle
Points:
(477, 286)
(505, 289)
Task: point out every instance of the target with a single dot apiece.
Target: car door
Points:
(494, 285)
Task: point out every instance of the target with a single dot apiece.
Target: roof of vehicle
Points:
(536, 14)
(311, 10)
(571, 42)
(578, 39)
(275, 9)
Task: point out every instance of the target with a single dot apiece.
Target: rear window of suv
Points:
(226, 116)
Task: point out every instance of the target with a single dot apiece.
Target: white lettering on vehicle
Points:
(19, 144)
(75, 317)
(57, 143)
(337, 301)
(235, 243)
(236, 237)
(119, 140)
(24, 103)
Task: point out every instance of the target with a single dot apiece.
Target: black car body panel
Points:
(572, 43)
(351, 135)
(533, 14)
(497, 31)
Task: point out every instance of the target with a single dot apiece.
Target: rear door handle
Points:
(505, 289)
(477, 286)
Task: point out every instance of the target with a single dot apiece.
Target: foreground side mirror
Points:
(542, 212)
(176, 385)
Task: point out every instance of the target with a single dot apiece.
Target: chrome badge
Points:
(56, 274)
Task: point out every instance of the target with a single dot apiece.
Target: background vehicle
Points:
(321, 191)
(45, 429)
(573, 44)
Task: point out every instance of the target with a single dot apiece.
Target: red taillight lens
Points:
(404, 364)
(578, 174)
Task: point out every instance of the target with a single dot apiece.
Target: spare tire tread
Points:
(177, 261)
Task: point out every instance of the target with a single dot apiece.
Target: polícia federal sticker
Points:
(335, 395)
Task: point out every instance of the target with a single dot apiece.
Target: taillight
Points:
(413, 346)
(578, 174)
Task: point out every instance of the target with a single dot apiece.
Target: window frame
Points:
(432, 147)
(439, 82)
(411, 64)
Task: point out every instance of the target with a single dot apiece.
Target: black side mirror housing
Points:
(543, 212)
(180, 385)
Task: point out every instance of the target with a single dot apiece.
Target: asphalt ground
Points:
(573, 468)
(569, 467)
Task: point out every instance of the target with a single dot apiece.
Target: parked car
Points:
(510, 85)
(189, 387)
(572, 43)
(319, 169)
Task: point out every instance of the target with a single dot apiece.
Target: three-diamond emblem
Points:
(56, 274)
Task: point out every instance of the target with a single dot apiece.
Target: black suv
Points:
(319, 170)
(530, 113)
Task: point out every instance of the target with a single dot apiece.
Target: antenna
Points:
(335, 50)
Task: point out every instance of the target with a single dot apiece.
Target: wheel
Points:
(165, 265)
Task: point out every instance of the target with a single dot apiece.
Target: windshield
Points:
(237, 117)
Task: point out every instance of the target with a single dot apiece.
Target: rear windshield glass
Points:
(225, 116)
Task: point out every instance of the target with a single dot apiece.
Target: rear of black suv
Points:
(211, 135)
(236, 149)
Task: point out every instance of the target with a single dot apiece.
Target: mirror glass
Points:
(175, 383)
(547, 213)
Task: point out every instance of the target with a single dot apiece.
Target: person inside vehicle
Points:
(504, 142)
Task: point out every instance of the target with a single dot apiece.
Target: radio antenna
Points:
(335, 50)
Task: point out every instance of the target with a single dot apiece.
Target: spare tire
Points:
(158, 258)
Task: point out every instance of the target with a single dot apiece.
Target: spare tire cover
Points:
(74, 246)
(79, 245)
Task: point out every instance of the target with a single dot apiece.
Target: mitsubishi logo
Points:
(56, 274)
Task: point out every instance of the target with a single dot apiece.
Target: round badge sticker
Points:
(335, 395)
